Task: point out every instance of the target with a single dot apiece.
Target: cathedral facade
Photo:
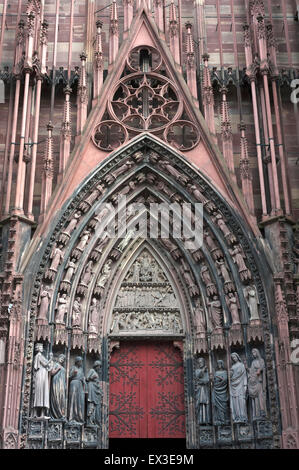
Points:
(149, 280)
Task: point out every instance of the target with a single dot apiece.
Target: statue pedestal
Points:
(255, 330)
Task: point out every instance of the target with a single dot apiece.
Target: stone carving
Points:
(41, 368)
(218, 219)
(215, 310)
(129, 235)
(202, 398)
(257, 385)
(252, 300)
(88, 202)
(85, 278)
(166, 166)
(93, 318)
(43, 303)
(119, 171)
(95, 395)
(66, 234)
(77, 313)
(220, 394)
(208, 205)
(223, 271)
(238, 390)
(77, 252)
(77, 392)
(97, 251)
(99, 217)
(238, 257)
(171, 247)
(61, 309)
(70, 271)
(199, 318)
(103, 277)
(56, 257)
(148, 320)
(58, 389)
(146, 296)
(210, 286)
(233, 305)
(215, 252)
(189, 279)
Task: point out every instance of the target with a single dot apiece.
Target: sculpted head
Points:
(220, 364)
(201, 362)
(78, 361)
(235, 357)
(39, 347)
(61, 358)
(255, 353)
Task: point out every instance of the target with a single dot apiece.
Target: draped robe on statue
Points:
(58, 392)
(238, 387)
(76, 395)
(220, 396)
(41, 395)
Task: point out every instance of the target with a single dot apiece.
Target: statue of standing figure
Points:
(77, 392)
(257, 385)
(58, 389)
(203, 393)
(41, 368)
(95, 395)
(238, 390)
(220, 394)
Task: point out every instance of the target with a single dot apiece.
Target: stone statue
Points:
(83, 240)
(43, 303)
(220, 394)
(215, 310)
(199, 317)
(202, 393)
(252, 302)
(130, 234)
(70, 227)
(222, 269)
(61, 309)
(71, 268)
(77, 392)
(232, 302)
(77, 313)
(93, 317)
(104, 275)
(257, 385)
(238, 389)
(56, 257)
(41, 368)
(165, 165)
(88, 272)
(58, 389)
(95, 395)
(122, 169)
(238, 258)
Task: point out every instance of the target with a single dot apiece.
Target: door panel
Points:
(146, 391)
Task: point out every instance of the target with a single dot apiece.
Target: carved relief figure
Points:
(252, 302)
(41, 368)
(199, 317)
(77, 392)
(233, 305)
(104, 275)
(61, 309)
(93, 317)
(43, 302)
(95, 395)
(238, 389)
(257, 385)
(238, 258)
(203, 393)
(56, 257)
(220, 394)
(71, 268)
(70, 227)
(77, 313)
(88, 272)
(215, 310)
(58, 389)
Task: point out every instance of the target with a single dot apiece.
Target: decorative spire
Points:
(245, 173)
(47, 177)
(226, 132)
(98, 61)
(65, 133)
(20, 46)
(272, 47)
(174, 33)
(44, 45)
(30, 43)
(191, 69)
(208, 95)
(113, 33)
(82, 99)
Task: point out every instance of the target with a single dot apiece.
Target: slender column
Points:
(98, 62)
(190, 65)
(245, 172)
(226, 133)
(159, 14)
(54, 59)
(44, 45)
(113, 33)
(274, 74)
(82, 99)
(2, 28)
(47, 177)
(264, 68)
(251, 73)
(208, 96)
(65, 134)
(174, 33)
(128, 16)
(70, 41)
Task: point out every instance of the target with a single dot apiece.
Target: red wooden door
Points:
(146, 391)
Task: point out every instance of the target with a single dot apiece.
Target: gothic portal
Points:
(110, 329)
